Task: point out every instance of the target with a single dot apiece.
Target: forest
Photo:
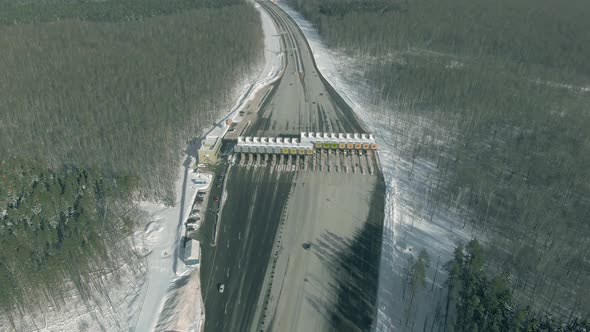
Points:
(98, 101)
(122, 96)
(49, 218)
(477, 302)
(14, 12)
(496, 95)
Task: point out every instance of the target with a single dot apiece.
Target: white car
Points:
(220, 287)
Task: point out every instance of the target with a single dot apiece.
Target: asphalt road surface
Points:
(302, 100)
(255, 202)
(324, 270)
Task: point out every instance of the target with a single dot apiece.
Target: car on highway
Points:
(216, 199)
(220, 287)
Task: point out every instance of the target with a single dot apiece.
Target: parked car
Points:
(193, 218)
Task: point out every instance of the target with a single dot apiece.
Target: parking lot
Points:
(202, 223)
(198, 212)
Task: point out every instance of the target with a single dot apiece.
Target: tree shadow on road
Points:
(354, 263)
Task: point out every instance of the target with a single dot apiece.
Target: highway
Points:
(302, 100)
(258, 208)
(255, 202)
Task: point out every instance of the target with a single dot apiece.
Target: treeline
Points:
(477, 302)
(495, 94)
(59, 225)
(539, 35)
(18, 12)
(123, 96)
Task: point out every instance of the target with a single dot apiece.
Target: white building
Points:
(192, 252)
(211, 146)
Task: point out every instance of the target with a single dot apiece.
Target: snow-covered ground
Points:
(98, 312)
(412, 223)
(160, 240)
(154, 302)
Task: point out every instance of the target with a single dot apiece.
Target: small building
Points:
(192, 252)
(209, 150)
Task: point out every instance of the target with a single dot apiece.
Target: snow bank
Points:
(161, 240)
(412, 223)
(272, 66)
